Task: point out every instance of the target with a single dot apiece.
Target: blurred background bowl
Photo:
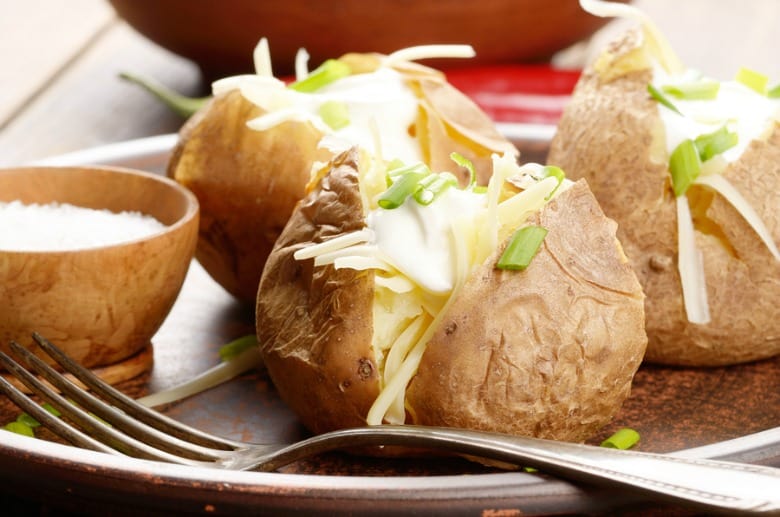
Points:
(102, 305)
(220, 35)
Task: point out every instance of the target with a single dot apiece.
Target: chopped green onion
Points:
(394, 172)
(660, 97)
(330, 71)
(403, 186)
(235, 347)
(465, 162)
(774, 92)
(556, 172)
(752, 79)
(712, 144)
(26, 419)
(51, 409)
(703, 89)
(179, 104)
(335, 114)
(685, 166)
(479, 189)
(622, 439)
(522, 248)
(19, 428)
(432, 186)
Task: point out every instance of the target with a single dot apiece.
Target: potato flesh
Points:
(611, 135)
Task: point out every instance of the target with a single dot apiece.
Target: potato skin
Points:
(550, 351)
(247, 183)
(610, 134)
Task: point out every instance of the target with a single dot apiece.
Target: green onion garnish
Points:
(774, 92)
(752, 79)
(522, 248)
(181, 105)
(685, 166)
(335, 114)
(694, 90)
(329, 71)
(26, 419)
(403, 186)
(660, 97)
(556, 172)
(465, 162)
(235, 347)
(19, 428)
(622, 439)
(51, 409)
(432, 186)
(715, 143)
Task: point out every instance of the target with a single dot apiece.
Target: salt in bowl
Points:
(103, 303)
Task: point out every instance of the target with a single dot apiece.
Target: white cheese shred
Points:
(690, 264)
(429, 52)
(336, 243)
(301, 64)
(262, 59)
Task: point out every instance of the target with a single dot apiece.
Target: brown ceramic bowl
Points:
(103, 304)
(220, 35)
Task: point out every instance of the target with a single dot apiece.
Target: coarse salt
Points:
(62, 227)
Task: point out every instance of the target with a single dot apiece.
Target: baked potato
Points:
(248, 154)
(374, 308)
(689, 167)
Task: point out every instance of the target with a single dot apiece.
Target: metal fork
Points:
(124, 426)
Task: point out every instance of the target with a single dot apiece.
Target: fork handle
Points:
(704, 483)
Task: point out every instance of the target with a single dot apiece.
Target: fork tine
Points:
(96, 429)
(130, 406)
(54, 424)
(121, 421)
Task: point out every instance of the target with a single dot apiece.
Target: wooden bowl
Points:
(102, 305)
(220, 36)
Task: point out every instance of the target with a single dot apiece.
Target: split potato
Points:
(352, 333)
(248, 180)
(701, 228)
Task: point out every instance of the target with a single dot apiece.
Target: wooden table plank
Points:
(38, 38)
(89, 105)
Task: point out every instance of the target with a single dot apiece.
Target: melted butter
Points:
(418, 239)
(741, 109)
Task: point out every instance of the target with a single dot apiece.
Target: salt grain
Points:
(61, 227)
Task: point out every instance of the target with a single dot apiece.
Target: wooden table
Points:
(60, 91)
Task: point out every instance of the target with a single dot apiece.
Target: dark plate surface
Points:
(672, 408)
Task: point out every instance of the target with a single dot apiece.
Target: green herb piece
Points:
(624, 438)
(432, 186)
(656, 94)
(774, 92)
(752, 79)
(465, 162)
(26, 419)
(330, 71)
(704, 89)
(685, 166)
(179, 104)
(713, 144)
(237, 346)
(522, 248)
(555, 172)
(404, 185)
(335, 114)
(19, 428)
(51, 409)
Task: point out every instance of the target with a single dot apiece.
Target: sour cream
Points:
(741, 109)
(418, 239)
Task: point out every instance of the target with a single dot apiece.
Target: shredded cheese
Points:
(690, 264)
(301, 64)
(429, 52)
(262, 59)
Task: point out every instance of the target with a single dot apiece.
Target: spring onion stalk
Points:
(752, 79)
(19, 428)
(403, 187)
(624, 438)
(328, 72)
(432, 186)
(465, 162)
(712, 144)
(243, 362)
(522, 248)
(656, 94)
(774, 92)
(26, 419)
(397, 170)
(723, 187)
(554, 172)
(685, 166)
(704, 89)
(691, 267)
(181, 105)
(335, 114)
